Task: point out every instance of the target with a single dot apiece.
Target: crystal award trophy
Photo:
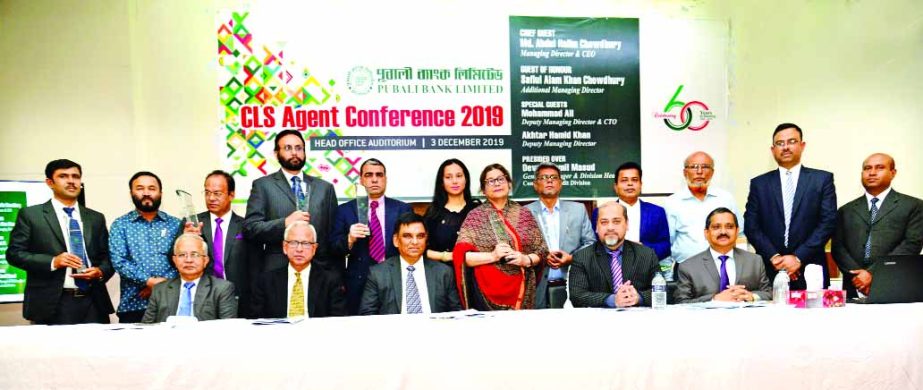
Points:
(362, 204)
(185, 199)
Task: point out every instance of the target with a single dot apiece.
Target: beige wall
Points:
(121, 86)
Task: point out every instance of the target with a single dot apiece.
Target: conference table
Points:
(867, 346)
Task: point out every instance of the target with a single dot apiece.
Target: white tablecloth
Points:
(868, 346)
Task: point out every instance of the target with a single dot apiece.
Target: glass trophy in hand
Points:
(362, 204)
(304, 200)
(185, 199)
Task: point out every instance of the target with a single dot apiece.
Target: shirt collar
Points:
(304, 272)
(796, 170)
(135, 215)
(224, 218)
(556, 207)
(289, 176)
(59, 208)
(416, 266)
(689, 195)
(195, 282)
(715, 253)
(881, 196)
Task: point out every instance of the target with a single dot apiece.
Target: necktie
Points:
(376, 242)
(723, 274)
(75, 237)
(873, 211)
(296, 306)
(788, 198)
(296, 190)
(615, 263)
(413, 295)
(185, 300)
(219, 249)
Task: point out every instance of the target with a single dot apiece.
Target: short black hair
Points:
(408, 218)
(720, 210)
(144, 173)
(788, 126)
(627, 166)
(373, 161)
(547, 165)
(284, 133)
(60, 164)
(227, 177)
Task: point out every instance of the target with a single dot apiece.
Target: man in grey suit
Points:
(279, 199)
(192, 293)
(396, 285)
(722, 272)
(232, 256)
(64, 249)
(566, 229)
(881, 222)
(614, 272)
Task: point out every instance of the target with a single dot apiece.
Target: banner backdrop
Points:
(15, 196)
(483, 85)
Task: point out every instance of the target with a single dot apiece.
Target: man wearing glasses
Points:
(301, 289)
(289, 195)
(222, 230)
(566, 229)
(192, 293)
(687, 208)
(791, 211)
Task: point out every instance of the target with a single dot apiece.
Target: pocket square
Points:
(239, 236)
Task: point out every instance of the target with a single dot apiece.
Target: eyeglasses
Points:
(781, 144)
(496, 182)
(297, 148)
(217, 194)
(189, 255)
(300, 244)
(548, 177)
(696, 167)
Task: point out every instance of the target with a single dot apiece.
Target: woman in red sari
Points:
(500, 247)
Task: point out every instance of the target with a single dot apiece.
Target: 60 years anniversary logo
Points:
(693, 115)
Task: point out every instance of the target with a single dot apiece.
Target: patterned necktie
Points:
(376, 242)
(873, 211)
(296, 306)
(788, 198)
(75, 237)
(615, 264)
(413, 295)
(219, 249)
(185, 300)
(296, 190)
(723, 274)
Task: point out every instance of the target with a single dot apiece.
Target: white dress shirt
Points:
(634, 220)
(550, 219)
(64, 222)
(288, 178)
(305, 275)
(419, 277)
(796, 173)
(881, 199)
(729, 264)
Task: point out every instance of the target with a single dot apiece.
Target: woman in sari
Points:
(499, 252)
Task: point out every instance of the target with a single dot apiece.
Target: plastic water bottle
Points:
(659, 292)
(780, 288)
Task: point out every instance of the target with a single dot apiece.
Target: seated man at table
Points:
(408, 283)
(303, 288)
(192, 293)
(613, 272)
(722, 272)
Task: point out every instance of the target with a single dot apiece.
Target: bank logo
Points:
(359, 80)
(693, 115)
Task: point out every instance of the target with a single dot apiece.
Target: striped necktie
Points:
(788, 198)
(873, 211)
(413, 295)
(615, 264)
(376, 242)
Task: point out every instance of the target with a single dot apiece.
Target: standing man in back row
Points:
(275, 199)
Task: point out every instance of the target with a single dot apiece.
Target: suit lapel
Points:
(394, 272)
(430, 285)
(201, 294)
(284, 186)
(603, 262)
(712, 270)
(53, 223)
(87, 233)
(314, 286)
(801, 188)
(775, 188)
(230, 237)
(890, 203)
(207, 232)
(738, 266)
(860, 207)
(173, 291)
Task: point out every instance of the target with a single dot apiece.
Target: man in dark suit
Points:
(232, 257)
(287, 292)
(278, 199)
(64, 249)
(722, 272)
(193, 293)
(614, 272)
(791, 211)
(566, 229)
(365, 244)
(881, 222)
(408, 283)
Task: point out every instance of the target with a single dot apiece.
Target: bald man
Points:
(880, 222)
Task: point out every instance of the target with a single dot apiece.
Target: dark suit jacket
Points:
(36, 239)
(812, 224)
(214, 300)
(698, 279)
(897, 230)
(326, 294)
(384, 289)
(271, 201)
(591, 277)
(655, 230)
(359, 258)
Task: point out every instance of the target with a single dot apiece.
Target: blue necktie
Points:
(788, 200)
(413, 295)
(185, 300)
(723, 274)
(75, 237)
(868, 241)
